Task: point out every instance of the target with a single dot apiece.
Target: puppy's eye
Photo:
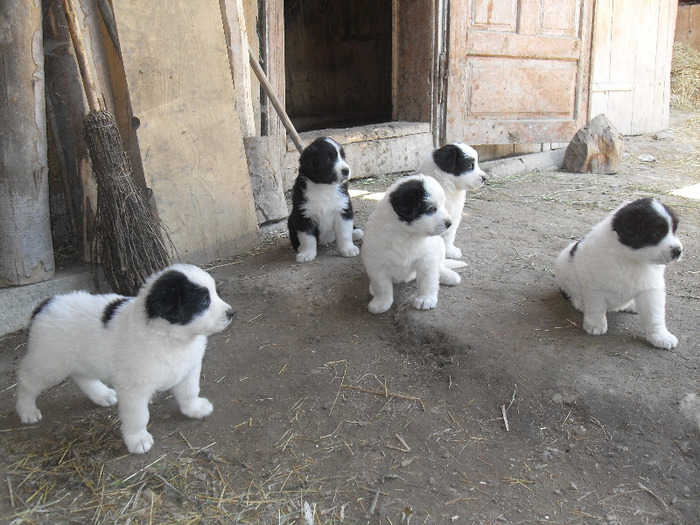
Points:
(206, 301)
(470, 165)
(429, 210)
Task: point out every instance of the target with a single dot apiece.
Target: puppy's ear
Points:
(174, 298)
(406, 200)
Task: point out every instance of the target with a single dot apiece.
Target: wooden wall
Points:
(688, 25)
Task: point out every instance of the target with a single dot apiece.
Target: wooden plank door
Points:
(518, 70)
(631, 63)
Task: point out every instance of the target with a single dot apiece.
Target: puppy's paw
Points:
(199, 408)
(357, 234)
(596, 327)
(378, 305)
(663, 339)
(29, 415)
(452, 252)
(107, 399)
(425, 302)
(138, 442)
(306, 256)
(449, 277)
(349, 251)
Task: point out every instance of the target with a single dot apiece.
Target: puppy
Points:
(140, 345)
(403, 243)
(456, 168)
(321, 207)
(620, 265)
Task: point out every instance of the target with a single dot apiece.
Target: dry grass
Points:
(81, 478)
(685, 78)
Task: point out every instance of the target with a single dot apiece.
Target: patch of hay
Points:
(685, 78)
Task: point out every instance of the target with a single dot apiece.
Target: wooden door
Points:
(631, 63)
(518, 70)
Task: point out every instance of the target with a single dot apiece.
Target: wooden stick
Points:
(275, 101)
(81, 55)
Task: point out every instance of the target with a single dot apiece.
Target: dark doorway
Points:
(338, 62)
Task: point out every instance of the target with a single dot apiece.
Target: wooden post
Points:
(26, 251)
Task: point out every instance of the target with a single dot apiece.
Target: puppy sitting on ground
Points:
(456, 168)
(620, 265)
(321, 207)
(140, 345)
(402, 243)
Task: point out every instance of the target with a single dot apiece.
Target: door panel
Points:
(517, 70)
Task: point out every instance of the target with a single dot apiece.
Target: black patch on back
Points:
(638, 224)
(41, 306)
(176, 299)
(410, 201)
(111, 309)
(317, 161)
(451, 159)
(573, 249)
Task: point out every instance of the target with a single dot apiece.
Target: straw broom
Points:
(128, 236)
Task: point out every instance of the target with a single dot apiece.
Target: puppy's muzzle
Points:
(230, 314)
(676, 253)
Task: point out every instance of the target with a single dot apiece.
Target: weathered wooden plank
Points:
(688, 25)
(181, 91)
(26, 253)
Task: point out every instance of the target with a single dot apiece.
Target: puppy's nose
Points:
(483, 178)
(677, 252)
(345, 172)
(448, 223)
(230, 314)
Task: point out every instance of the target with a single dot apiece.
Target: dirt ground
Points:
(326, 414)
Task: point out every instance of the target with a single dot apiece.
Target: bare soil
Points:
(495, 407)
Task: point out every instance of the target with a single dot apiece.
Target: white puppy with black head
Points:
(456, 168)
(321, 207)
(139, 345)
(402, 242)
(620, 265)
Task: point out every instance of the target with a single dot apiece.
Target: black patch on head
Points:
(574, 248)
(41, 306)
(111, 309)
(318, 159)
(176, 299)
(639, 224)
(410, 201)
(451, 159)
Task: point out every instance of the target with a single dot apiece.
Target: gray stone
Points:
(264, 156)
(596, 148)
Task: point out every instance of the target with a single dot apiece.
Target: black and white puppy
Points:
(402, 242)
(321, 207)
(456, 168)
(620, 265)
(139, 345)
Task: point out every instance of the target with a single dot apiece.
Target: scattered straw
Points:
(685, 78)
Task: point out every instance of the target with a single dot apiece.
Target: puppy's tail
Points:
(453, 264)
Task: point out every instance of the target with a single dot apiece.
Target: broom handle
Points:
(275, 101)
(81, 55)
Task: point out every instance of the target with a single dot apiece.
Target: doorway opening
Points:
(338, 62)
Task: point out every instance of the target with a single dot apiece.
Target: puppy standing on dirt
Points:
(456, 168)
(620, 265)
(403, 243)
(154, 341)
(321, 207)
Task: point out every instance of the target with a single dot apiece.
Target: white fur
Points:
(137, 356)
(394, 251)
(605, 276)
(324, 203)
(456, 188)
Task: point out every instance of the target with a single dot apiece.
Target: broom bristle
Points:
(128, 237)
